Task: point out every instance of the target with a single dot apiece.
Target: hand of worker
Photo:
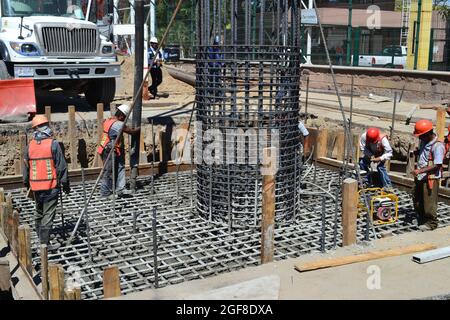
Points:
(66, 188)
(415, 173)
(375, 159)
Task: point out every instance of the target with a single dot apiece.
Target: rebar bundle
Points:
(247, 94)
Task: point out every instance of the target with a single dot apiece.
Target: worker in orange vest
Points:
(427, 174)
(45, 172)
(111, 129)
(375, 147)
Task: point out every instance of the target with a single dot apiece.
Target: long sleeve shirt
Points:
(371, 149)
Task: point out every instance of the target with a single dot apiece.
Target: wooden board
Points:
(327, 263)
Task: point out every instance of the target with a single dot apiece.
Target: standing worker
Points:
(376, 148)
(155, 67)
(111, 129)
(427, 175)
(45, 171)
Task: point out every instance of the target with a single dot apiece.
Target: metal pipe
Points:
(322, 238)
(155, 247)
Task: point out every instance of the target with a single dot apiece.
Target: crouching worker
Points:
(427, 175)
(45, 171)
(111, 129)
(376, 148)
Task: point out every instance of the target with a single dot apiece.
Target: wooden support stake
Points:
(143, 153)
(340, 146)
(48, 113)
(7, 216)
(268, 208)
(97, 158)
(69, 294)
(44, 270)
(14, 231)
(411, 161)
(17, 167)
(5, 275)
(111, 282)
(322, 144)
(4, 217)
(77, 293)
(440, 123)
(349, 211)
(25, 248)
(162, 146)
(2, 195)
(327, 263)
(56, 281)
(357, 151)
(72, 139)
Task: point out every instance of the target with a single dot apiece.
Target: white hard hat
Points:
(153, 40)
(125, 109)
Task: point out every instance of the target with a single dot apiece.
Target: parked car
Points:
(390, 57)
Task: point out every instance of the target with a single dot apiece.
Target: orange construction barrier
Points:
(17, 100)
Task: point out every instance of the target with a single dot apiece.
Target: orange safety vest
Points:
(107, 124)
(379, 148)
(41, 165)
(431, 177)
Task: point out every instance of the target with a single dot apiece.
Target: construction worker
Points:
(427, 175)
(155, 67)
(111, 129)
(375, 148)
(45, 171)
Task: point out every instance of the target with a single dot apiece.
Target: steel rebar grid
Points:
(189, 247)
(247, 92)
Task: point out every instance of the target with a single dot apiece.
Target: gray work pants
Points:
(106, 187)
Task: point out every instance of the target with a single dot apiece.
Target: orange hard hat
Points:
(422, 126)
(38, 120)
(373, 134)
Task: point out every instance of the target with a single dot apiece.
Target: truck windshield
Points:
(61, 8)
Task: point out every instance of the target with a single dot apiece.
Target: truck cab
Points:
(54, 43)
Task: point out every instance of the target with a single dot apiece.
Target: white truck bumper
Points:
(67, 71)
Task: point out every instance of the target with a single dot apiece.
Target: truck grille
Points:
(65, 41)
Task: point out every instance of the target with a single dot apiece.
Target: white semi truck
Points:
(53, 42)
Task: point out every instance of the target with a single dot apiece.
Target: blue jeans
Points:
(364, 164)
(106, 187)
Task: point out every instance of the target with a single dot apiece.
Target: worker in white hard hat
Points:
(155, 66)
(111, 129)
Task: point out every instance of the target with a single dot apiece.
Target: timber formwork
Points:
(189, 246)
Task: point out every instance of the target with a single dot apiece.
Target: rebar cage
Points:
(247, 98)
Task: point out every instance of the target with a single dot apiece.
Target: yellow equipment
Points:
(383, 206)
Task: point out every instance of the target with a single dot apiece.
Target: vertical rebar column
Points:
(247, 95)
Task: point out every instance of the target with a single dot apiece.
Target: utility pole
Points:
(116, 19)
(349, 32)
(133, 21)
(308, 37)
(138, 76)
(417, 35)
(152, 19)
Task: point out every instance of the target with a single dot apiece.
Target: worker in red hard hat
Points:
(375, 148)
(111, 130)
(45, 172)
(430, 157)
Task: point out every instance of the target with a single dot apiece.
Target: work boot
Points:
(425, 227)
(124, 193)
(44, 236)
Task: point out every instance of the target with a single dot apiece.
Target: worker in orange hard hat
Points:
(111, 130)
(427, 175)
(45, 172)
(375, 148)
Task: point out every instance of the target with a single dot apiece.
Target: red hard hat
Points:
(38, 120)
(373, 134)
(422, 126)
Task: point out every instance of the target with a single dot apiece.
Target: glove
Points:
(66, 188)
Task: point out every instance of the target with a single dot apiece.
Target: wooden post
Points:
(14, 231)
(162, 146)
(4, 218)
(77, 293)
(69, 294)
(44, 270)
(7, 216)
(440, 123)
(56, 281)
(411, 161)
(5, 277)
(143, 153)
(97, 158)
(48, 113)
(349, 211)
(357, 151)
(268, 209)
(340, 145)
(17, 167)
(72, 138)
(25, 248)
(2, 195)
(322, 144)
(111, 282)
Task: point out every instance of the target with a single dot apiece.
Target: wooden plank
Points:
(44, 270)
(72, 138)
(22, 146)
(321, 144)
(6, 217)
(69, 294)
(5, 276)
(14, 231)
(334, 262)
(268, 207)
(340, 145)
(25, 248)
(142, 152)
(440, 123)
(310, 141)
(162, 147)
(111, 282)
(100, 114)
(48, 113)
(411, 161)
(357, 151)
(2, 195)
(349, 211)
(17, 166)
(56, 281)
(77, 293)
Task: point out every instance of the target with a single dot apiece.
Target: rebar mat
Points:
(189, 247)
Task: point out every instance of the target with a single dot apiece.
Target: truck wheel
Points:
(4, 74)
(100, 91)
